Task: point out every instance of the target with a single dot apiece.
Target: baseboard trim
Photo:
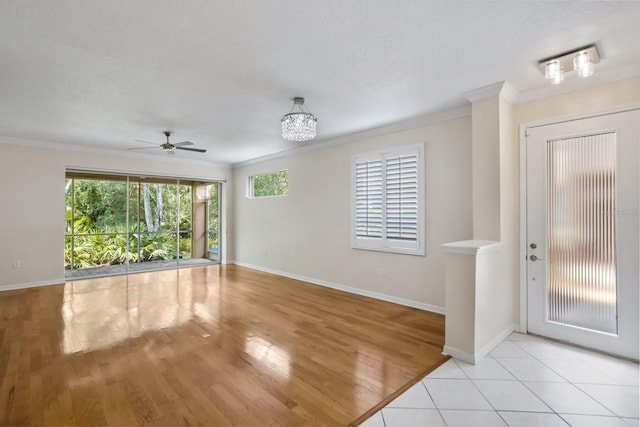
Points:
(349, 289)
(458, 354)
(488, 347)
(15, 286)
(480, 354)
(517, 327)
(340, 287)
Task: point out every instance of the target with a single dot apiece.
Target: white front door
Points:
(583, 233)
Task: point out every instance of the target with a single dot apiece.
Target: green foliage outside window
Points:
(96, 218)
(213, 193)
(272, 184)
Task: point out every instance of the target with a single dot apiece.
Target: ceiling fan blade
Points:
(197, 150)
(143, 148)
(183, 143)
(146, 142)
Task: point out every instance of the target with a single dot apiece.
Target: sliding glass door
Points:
(161, 216)
(117, 224)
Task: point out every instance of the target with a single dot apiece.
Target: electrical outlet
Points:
(16, 264)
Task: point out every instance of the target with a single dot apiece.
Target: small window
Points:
(270, 184)
(388, 200)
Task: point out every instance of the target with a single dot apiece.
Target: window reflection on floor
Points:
(272, 357)
(102, 313)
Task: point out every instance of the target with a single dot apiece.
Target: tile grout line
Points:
(552, 370)
(384, 422)
(568, 381)
(431, 397)
(551, 411)
(613, 414)
(481, 394)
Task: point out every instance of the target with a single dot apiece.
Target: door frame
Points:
(523, 326)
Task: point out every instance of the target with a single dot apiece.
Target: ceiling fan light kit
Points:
(298, 126)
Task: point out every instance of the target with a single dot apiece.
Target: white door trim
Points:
(523, 326)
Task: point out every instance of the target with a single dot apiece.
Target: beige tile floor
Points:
(525, 381)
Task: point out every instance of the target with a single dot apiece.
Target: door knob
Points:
(535, 258)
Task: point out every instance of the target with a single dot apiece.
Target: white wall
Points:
(485, 119)
(307, 233)
(460, 325)
(509, 212)
(32, 217)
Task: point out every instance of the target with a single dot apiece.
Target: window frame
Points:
(384, 244)
(251, 187)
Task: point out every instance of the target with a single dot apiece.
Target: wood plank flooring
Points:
(212, 346)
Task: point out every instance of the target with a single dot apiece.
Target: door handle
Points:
(535, 258)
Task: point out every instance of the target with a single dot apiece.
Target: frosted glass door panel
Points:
(581, 230)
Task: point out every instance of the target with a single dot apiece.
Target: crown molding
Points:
(426, 120)
(484, 92)
(509, 93)
(503, 89)
(514, 96)
(572, 85)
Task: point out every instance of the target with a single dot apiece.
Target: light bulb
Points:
(553, 71)
(582, 64)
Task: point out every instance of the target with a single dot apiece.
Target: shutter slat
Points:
(386, 198)
(369, 185)
(402, 198)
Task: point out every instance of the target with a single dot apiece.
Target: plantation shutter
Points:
(387, 200)
(402, 197)
(368, 199)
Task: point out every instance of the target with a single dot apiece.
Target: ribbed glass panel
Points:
(581, 229)
(402, 198)
(369, 199)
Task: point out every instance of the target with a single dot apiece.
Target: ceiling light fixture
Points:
(298, 126)
(580, 60)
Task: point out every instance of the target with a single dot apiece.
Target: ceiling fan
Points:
(169, 147)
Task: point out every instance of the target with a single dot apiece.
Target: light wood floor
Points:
(213, 346)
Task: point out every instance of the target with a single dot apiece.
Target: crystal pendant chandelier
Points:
(298, 126)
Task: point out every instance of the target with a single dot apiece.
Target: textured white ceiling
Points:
(221, 73)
